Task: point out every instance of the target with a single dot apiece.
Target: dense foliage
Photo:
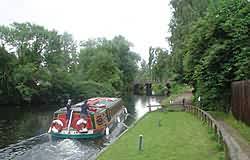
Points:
(40, 65)
(109, 62)
(210, 40)
(185, 14)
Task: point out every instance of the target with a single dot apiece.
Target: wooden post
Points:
(205, 118)
(215, 131)
(159, 123)
(207, 121)
(211, 124)
(198, 113)
(201, 116)
(140, 142)
(220, 140)
(226, 152)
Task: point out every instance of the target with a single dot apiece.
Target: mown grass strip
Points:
(179, 136)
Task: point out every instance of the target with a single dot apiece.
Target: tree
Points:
(185, 13)
(216, 52)
(143, 72)
(104, 70)
(123, 62)
(38, 53)
(40, 65)
(126, 59)
(7, 63)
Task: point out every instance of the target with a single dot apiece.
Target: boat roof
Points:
(98, 103)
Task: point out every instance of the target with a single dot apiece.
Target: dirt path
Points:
(176, 104)
(186, 95)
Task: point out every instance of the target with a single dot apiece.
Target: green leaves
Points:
(217, 52)
(108, 62)
(183, 24)
(40, 65)
(103, 69)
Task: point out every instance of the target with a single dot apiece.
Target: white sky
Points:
(142, 22)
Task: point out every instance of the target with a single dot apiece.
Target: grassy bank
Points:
(242, 128)
(179, 136)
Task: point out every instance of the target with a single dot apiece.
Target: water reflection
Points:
(141, 103)
(17, 125)
(137, 106)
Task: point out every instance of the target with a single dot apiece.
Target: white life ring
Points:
(84, 123)
(58, 122)
(56, 126)
(80, 121)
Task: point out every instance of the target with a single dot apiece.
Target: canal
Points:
(24, 135)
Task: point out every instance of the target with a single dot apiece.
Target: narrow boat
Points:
(102, 113)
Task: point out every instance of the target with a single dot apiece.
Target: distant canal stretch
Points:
(24, 135)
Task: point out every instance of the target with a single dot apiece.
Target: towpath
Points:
(240, 147)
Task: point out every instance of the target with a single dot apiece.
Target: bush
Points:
(88, 89)
(218, 53)
(158, 89)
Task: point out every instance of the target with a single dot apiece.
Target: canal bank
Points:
(166, 135)
(122, 134)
